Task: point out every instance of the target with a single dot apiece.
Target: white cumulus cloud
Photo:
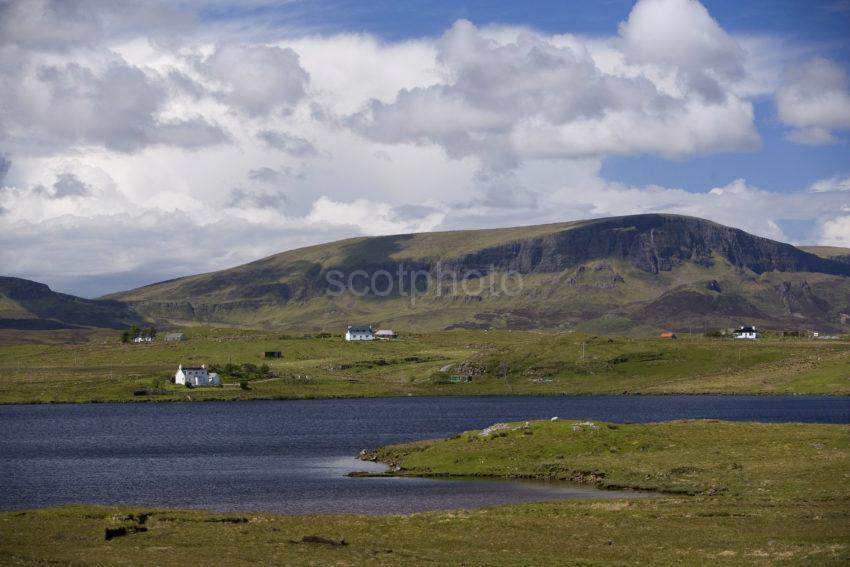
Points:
(256, 78)
(814, 100)
(561, 102)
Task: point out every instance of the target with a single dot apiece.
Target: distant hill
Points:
(633, 274)
(29, 305)
(830, 252)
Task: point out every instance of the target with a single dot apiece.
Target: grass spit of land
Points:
(96, 366)
(732, 494)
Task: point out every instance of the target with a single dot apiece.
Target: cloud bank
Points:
(135, 153)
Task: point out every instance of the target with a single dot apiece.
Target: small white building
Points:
(196, 376)
(143, 339)
(746, 333)
(359, 333)
(385, 334)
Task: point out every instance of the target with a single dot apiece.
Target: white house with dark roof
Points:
(196, 376)
(359, 333)
(746, 333)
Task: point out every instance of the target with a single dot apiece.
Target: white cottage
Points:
(196, 376)
(746, 333)
(359, 333)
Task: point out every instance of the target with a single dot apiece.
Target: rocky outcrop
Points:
(206, 312)
(21, 289)
(799, 299)
(34, 306)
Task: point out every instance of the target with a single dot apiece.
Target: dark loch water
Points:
(292, 456)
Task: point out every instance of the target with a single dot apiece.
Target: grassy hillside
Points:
(636, 275)
(747, 494)
(98, 367)
(829, 252)
(352, 251)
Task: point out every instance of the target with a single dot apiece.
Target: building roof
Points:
(384, 332)
(192, 368)
(747, 330)
(360, 328)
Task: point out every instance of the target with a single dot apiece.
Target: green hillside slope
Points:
(635, 274)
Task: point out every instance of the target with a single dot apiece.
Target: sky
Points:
(142, 141)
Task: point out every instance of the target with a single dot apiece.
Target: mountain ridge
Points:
(602, 270)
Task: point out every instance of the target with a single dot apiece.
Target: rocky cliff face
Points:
(652, 243)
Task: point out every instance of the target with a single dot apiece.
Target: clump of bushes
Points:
(148, 333)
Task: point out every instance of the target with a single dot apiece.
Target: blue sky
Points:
(141, 141)
(816, 21)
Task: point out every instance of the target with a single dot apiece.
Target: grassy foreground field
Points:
(747, 494)
(63, 366)
(693, 457)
